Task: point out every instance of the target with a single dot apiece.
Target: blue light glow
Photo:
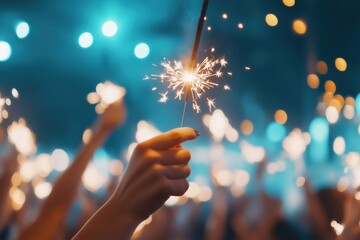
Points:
(22, 30)
(275, 132)
(5, 51)
(109, 28)
(86, 40)
(142, 50)
(319, 129)
(357, 104)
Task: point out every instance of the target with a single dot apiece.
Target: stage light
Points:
(86, 40)
(319, 129)
(109, 28)
(275, 132)
(5, 51)
(357, 104)
(22, 30)
(142, 50)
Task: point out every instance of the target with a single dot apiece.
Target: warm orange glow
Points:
(289, 3)
(299, 26)
(340, 64)
(246, 127)
(350, 101)
(322, 67)
(313, 81)
(330, 86)
(271, 20)
(335, 103)
(327, 97)
(281, 116)
(340, 99)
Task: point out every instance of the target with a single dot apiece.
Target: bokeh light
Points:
(246, 127)
(271, 20)
(109, 28)
(86, 40)
(357, 105)
(142, 50)
(340, 64)
(299, 26)
(313, 81)
(339, 145)
(5, 51)
(275, 132)
(60, 160)
(322, 67)
(330, 86)
(22, 30)
(319, 129)
(15, 93)
(280, 116)
(289, 3)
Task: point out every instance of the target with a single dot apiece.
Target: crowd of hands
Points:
(157, 170)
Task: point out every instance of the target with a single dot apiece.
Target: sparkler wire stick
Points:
(187, 88)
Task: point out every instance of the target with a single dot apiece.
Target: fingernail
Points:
(197, 133)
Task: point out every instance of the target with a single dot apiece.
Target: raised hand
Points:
(157, 170)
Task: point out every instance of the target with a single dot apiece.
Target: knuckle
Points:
(187, 154)
(187, 170)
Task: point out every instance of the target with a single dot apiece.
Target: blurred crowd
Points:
(218, 213)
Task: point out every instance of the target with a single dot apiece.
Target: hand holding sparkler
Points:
(195, 79)
(157, 170)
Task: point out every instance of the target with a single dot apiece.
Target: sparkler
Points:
(106, 94)
(22, 137)
(194, 80)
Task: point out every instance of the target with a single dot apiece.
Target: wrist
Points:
(122, 215)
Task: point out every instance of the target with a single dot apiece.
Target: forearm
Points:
(109, 222)
(57, 205)
(66, 185)
(5, 184)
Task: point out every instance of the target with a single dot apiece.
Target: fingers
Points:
(171, 139)
(175, 157)
(177, 172)
(178, 187)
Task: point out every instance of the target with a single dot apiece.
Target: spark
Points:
(154, 88)
(211, 103)
(146, 77)
(198, 81)
(164, 97)
(247, 68)
(230, 73)
(227, 88)
(212, 50)
(178, 94)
